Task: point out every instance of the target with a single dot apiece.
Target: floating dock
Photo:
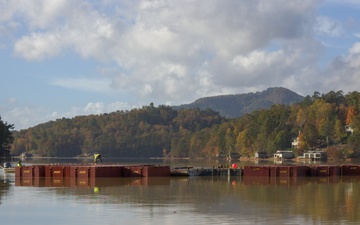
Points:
(109, 171)
(301, 170)
(75, 175)
(92, 171)
(93, 175)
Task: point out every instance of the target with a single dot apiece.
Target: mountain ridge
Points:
(236, 105)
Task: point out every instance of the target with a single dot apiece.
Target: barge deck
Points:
(89, 175)
(108, 171)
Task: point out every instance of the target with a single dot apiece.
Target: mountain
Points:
(233, 106)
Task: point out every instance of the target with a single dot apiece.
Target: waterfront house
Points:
(280, 155)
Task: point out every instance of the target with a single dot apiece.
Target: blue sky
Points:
(63, 58)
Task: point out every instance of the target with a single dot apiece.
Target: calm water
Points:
(194, 200)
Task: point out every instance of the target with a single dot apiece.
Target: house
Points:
(315, 155)
(280, 155)
(295, 143)
(261, 155)
(234, 155)
(349, 129)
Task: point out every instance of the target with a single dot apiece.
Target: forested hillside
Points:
(233, 106)
(318, 121)
(149, 131)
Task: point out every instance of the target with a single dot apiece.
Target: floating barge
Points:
(301, 170)
(111, 171)
(207, 171)
(92, 171)
(94, 175)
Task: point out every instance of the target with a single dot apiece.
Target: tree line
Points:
(319, 121)
(147, 131)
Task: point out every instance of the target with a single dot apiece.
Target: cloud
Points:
(328, 26)
(24, 117)
(38, 46)
(353, 3)
(163, 48)
(12, 100)
(355, 49)
(343, 74)
(100, 107)
(43, 14)
(84, 84)
(94, 108)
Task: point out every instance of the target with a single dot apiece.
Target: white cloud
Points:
(255, 60)
(355, 49)
(163, 48)
(94, 108)
(84, 84)
(24, 117)
(38, 46)
(37, 13)
(101, 107)
(114, 106)
(343, 74)
(328, 26)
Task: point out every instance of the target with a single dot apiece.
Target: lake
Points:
(180, 200)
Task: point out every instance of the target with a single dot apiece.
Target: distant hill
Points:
(233, 106)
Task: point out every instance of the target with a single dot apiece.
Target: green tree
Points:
(283, 140)
(6, 137)
(339, 131)
(310, 135)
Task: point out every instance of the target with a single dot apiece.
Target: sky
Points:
(65, 58)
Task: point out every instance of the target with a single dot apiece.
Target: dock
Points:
(76, 175)
(84, 175)
(92, 171)
(6, 170)
(108, 171)
(301, 170)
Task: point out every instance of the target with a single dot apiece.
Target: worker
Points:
(97, 157)
(19, 164)
(96, 190)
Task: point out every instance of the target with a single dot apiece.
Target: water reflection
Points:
(247, 200)
(4, 188)
(193, 200)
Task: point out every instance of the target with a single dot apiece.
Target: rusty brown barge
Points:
(91, 171)
(109, 171)
(92, 175)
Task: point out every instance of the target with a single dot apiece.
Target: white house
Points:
(349, 129)
(280, 155)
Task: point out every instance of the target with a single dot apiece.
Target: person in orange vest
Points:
(19, 164)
